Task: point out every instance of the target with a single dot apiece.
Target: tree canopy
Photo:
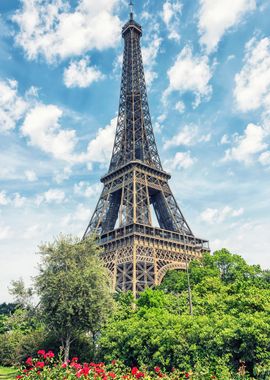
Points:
(73, 287)
(230, 323)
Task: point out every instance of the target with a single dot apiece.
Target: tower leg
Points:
(134, 279)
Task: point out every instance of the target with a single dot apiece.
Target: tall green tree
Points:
(73, 287)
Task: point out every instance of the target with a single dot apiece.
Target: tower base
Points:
(138, 256)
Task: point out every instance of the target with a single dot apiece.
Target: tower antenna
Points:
(131, 5)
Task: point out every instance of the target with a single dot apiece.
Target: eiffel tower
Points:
(136, 253)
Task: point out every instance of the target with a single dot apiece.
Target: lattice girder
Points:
(137, 254)
(127, 197)
(134, 133)
(151, 262)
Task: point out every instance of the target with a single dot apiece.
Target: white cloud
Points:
(170, 14)
(180, 106)
(18, 200)
(15, 199)
(42, 127)
(187, 136)
(32, 232)
(54, 30)
(100, 148)
(82, 213)
(181, 160)
(149, 54)
(51, 196)
(4, 200)
(84, 189)
(264, 158)
(216, 17)
(246, 146)
(252, 83)
(64, 174)
(158, 124)
(150, 76)
(214, 215)
(224, 140)
(80, 74)
(12, 106)
(162, 117)
(190, 74)
(5, 232)
(242, 236)
(30, 175)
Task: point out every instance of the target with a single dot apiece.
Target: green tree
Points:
(7, 308)
(21, 294)
(73, 287)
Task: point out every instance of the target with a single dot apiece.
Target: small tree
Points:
(21, 294)
(74, 289)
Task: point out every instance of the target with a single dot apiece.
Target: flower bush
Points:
(47, 366)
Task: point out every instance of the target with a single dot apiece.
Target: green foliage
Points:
(21, 294)
(228, 334)
(230, 325)
(73, 287)
(7, 308)
(22, 334)
(7, 372)
(47, 366)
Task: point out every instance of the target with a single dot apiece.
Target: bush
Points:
(47, 367)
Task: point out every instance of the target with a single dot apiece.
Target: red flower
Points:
(112, 375)
(139, 375)
(49, 354)
(134, 370)
(40, 364)
(74, 359)
(19, 377)
(29, 361)
(187, 375)
(41, 352)
(113, 362)
(157, 369)
(64, 365)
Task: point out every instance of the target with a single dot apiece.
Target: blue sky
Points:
(207, 67)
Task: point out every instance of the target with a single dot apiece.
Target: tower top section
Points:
(131, 24)
(131, 9)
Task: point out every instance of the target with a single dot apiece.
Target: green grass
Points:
(7, 373)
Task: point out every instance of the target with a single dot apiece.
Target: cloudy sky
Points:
(207, 65)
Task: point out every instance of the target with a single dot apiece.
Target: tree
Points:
(73, 287)
(21, 294)
(7, 308)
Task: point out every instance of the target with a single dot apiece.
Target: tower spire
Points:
(131, 5)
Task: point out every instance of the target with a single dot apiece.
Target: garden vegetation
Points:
(227, 337)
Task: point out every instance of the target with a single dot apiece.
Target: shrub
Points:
(46, 366)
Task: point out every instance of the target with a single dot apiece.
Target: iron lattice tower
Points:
(137, 254)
